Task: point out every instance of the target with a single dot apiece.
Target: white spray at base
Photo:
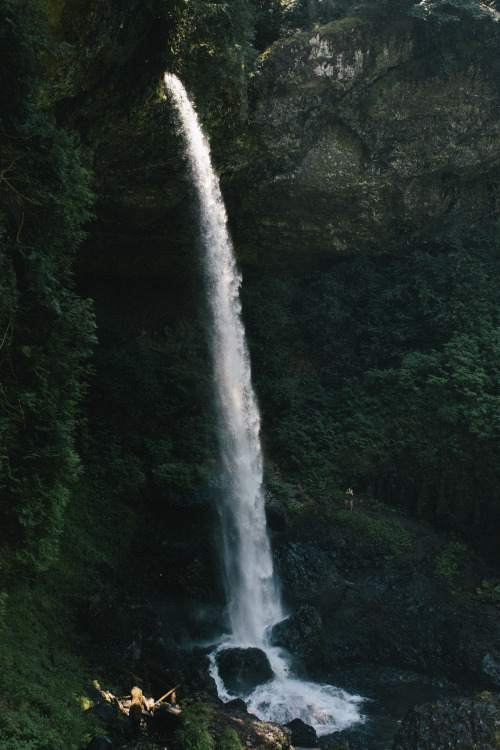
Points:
(252, 594)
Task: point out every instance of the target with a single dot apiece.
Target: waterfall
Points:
(253, 597)
(252, 594)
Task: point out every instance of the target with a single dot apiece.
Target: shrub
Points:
(451, 560)
(42, 680)
(229, 741)
(46, 330)
(193, 734)
(389, 535)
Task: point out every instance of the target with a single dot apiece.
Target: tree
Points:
(46, 330)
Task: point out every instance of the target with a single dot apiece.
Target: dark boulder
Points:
(490, 664)
(472, 652)
(242, 669)
(166, 719)
(237, 706)
(301, 633)
(276, 515)
(303, 735)
(306, 571)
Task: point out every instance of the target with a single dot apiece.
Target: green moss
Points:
(485, 696)
(42, 679)
(339, 26)
(489, 592)
(388, 535)
(194, 734)
(55, 10)
(43, 673)
(289, 41)
(290, 496)
(333, 163)
(229, 741)
(451, 560)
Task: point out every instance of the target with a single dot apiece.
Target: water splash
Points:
(252, 593)
(326, 708)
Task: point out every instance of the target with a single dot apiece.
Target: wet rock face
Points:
(166, 721)
(466, 724)
(491, 667)
(301, 633)
(242, 669)
(305, 570)
(352, 603)
(276, 515)
(367, 129)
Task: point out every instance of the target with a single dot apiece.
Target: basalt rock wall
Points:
(365, 130)
(366, 133)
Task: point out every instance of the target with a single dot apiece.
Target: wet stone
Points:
(303, 735)
(243, 669)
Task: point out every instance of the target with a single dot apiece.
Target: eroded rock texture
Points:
(367, 131)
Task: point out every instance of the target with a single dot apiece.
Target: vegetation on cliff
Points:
(385, 375)
(47, 331)
(47, 335)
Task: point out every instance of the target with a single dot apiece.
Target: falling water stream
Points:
(252, 593)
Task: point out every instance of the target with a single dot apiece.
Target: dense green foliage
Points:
(194, 734)
(212, 51)
(149, 427)
(44, 673)
(230, 740)
(46, 329)
(44, 670)
(389, 535)
(385, 374)
(44, 679)
(214, 40)
(451, 560)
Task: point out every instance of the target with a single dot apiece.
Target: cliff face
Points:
(109, 92)
(361, 134)
(367, 132)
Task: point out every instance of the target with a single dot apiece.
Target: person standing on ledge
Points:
(350, 498)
